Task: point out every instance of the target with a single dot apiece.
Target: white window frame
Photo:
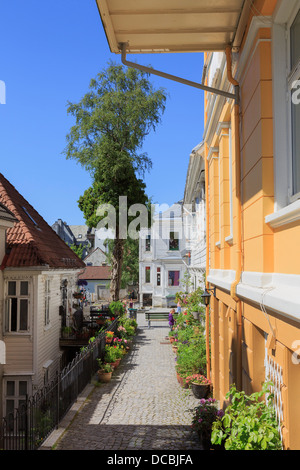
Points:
(16, 397)
(286, 205)
(8, 302)
(292, 76)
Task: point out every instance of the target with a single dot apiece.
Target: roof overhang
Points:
(173, 25)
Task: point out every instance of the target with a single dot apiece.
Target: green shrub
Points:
(249, 422)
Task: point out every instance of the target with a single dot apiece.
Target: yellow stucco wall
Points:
(264, 249)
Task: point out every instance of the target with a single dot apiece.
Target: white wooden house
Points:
(38, 278)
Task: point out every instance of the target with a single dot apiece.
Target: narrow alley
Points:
(142, 408)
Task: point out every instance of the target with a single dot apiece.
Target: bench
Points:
(157, 316)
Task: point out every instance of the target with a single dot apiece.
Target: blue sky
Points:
(49, 51)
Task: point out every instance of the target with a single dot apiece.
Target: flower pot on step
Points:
(104, 377)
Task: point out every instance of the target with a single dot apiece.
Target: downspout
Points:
(207, 266)
(238, 204)
(183, 81)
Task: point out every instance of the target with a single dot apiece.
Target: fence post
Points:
(26, 423)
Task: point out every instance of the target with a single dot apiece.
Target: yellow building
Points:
(252, 161)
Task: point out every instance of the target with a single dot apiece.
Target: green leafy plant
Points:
(104, 367)
(117, 308)
(191, 357)
(110, 354)
(249, 422)
(204, 416)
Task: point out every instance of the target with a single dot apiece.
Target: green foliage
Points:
(191, 356)
(192, 302)
(114, 118)
(78, 249)
(104, 367)
(130, 265)
(249, 422)
(111, 123)
(204, 416)
(110, 354)
(117, 308)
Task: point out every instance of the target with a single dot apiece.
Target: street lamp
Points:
(206, 295)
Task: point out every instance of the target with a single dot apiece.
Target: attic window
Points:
(31, 218)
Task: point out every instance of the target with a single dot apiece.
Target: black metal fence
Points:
(39, 415)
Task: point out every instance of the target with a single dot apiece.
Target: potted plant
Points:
(249, 422)
(67, 332)
(117, 308)
(109, 336)
(204, 416)
(199, 384)
(105, 371)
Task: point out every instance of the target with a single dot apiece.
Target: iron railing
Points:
(32, 422)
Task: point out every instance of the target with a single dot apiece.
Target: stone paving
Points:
(142, 408)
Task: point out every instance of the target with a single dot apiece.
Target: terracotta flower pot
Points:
(104, 377)
(115, 363)
(108, 340)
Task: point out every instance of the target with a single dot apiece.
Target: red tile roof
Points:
(32, 242)
(95, 272)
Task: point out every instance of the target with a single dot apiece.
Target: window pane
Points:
(295, 41)
(23, 314)
(10, 388)
(174, 242)
(22, 388)
(24, 288)
(296, 147)
(10, 406)
(13, 314)
(12, 288)
(147, 271)
(174, 278)
(148, 242)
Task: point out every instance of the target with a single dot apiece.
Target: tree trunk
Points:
(116, 268)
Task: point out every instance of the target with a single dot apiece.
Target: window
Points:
(148, 243)
(17, 306)
(174, 241)
(147, 274)
(47, 302)
(158, 276)
(173, 278)
(15, 396)
(293, 86)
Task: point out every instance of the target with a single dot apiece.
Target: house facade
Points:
(251, 155)
(195, 212)
(98, 282)
(38, 277)
(162, 263)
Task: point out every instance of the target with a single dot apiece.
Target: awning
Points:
(152, 26)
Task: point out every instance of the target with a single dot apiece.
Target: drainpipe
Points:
(152, 71)
(207, 264)
(238, 204)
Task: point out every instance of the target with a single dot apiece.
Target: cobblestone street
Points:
(142, 408)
